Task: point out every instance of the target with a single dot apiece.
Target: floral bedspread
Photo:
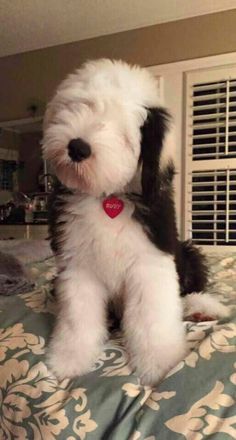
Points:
(196, 401)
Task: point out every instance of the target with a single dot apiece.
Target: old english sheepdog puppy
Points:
(112, 222)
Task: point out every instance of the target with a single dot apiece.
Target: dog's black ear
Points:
(153, 133)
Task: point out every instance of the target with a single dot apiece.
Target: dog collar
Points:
(112, 206)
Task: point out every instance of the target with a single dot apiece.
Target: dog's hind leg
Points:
(193, 276)
(80, 330)
(203, 307)
(153, 317)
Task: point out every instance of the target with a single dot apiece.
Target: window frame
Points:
(216, 74)
(173, 77)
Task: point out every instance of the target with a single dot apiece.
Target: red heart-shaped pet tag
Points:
(113, 206)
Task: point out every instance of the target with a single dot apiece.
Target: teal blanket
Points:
(194, 402)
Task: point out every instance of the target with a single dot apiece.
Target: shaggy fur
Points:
(111, 113)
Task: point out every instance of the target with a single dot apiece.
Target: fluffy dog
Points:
(112, 221)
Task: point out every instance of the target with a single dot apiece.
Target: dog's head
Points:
(99, 124)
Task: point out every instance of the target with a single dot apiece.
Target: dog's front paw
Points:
(152, 376)
(154, 366)
(67, 361)
(62, 366)
(66, 365)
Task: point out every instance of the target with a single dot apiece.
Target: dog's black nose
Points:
(78, 150)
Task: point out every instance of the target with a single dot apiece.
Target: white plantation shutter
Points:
(210, 157)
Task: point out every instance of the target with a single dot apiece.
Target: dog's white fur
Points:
(107, 257)
(105, 103)
(205, 304)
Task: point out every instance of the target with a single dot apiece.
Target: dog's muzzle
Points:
(78, 150)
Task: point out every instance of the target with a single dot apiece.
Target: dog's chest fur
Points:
(92, 239)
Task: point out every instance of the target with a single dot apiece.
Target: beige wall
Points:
(34, 75)
(30, 155)
(9, 140)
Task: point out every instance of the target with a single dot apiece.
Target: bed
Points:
(196, 400)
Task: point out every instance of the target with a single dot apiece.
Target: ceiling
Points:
(34, 24)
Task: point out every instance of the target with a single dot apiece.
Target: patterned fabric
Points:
(195, 401)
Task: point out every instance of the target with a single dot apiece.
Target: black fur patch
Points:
(155, 207)
(191, 267)
(157, 214)
(57, 202)
(153, 134)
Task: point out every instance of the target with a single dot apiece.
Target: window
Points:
(7, 169)
(210, 157)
